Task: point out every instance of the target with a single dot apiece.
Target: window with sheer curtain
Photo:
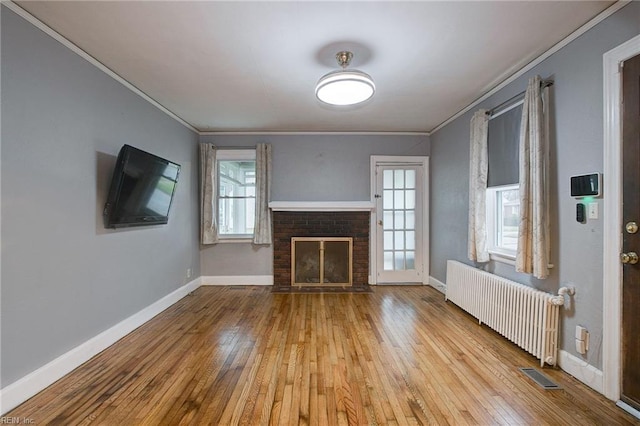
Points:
(503, 195)
(235, 194)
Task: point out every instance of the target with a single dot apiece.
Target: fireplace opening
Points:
(321, 261)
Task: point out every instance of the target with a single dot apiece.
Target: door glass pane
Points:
(411, 219)
(388, 240)
(411, 240)
(399, 179)
(410, 199)
(387, 178)
(410, 179)
(388, 261)
(398, 261)
(399, 219)
(387, 221)
(387, 200)
(399, 240)
(411, 262)
(398, 199)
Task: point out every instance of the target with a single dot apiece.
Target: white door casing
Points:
(612, 272)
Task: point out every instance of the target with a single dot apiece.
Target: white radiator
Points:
(524, 315)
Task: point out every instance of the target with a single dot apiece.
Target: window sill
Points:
(231, 240)
(502, 257)
(507, 258)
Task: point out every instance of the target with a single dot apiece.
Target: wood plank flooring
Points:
(242, 355)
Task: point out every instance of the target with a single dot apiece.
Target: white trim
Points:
(612, 273)
(426, 255)
(507, 258)
(629, 409)
(500, 253)
(226, 239)
(283, 133)
(19, 391)
(438, 285)
(1, 412)
(321, 206)
(225, 280)
(571, 37)
(581, 370)
(93, 61)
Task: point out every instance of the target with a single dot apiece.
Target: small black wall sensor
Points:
(580, 213)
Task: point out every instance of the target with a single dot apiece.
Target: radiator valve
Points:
(559, 299)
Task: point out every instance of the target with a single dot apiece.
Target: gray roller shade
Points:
(504, 135)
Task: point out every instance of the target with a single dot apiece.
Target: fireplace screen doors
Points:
(321, 261)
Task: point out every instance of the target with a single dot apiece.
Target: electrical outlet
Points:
(188, 272)
(581, 333)
(582, 340)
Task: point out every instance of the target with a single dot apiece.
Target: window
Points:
(236, 193)
(503, 209)
(503, 195)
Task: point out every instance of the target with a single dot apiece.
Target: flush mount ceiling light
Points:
(345, 87)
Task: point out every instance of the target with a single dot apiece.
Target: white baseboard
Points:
(438, 285)
(19, 391)
(238, 280)
(578, 368)
(629, 409)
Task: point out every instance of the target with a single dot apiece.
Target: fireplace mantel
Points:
(321, 206)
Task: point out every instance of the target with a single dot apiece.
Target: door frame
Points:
(373, 238)
(612, 268)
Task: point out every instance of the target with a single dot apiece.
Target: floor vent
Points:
(540, 378)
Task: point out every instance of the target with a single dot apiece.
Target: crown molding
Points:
(93, 61)
(271, 133)
(571, 37)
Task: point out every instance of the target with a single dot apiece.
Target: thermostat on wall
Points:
(586, 185)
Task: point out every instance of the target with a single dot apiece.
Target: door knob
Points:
(630, 258)
(631, 227)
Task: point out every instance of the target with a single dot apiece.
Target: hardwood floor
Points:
(242, 355)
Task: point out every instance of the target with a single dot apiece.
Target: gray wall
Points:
(576, 148)
(307, 168)
(64, 277)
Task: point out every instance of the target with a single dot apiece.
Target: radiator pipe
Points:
(559, 299)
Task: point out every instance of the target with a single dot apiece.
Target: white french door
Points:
(399, 194)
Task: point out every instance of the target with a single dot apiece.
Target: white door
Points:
(399, 195)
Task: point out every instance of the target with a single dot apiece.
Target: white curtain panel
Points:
(262, 228)
(208, 188)
(532, 256)
(478, 167)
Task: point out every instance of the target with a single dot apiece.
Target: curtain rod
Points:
(514, 101)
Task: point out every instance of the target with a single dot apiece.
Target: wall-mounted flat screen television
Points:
(142, 189)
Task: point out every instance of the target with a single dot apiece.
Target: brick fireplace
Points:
(320, 220)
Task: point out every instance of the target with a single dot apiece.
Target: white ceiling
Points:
(252, 66)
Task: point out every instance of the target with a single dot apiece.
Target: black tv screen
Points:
(142, 189)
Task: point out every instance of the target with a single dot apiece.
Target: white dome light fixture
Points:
(345, 87)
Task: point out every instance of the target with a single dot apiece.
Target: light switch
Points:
(593, 210)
